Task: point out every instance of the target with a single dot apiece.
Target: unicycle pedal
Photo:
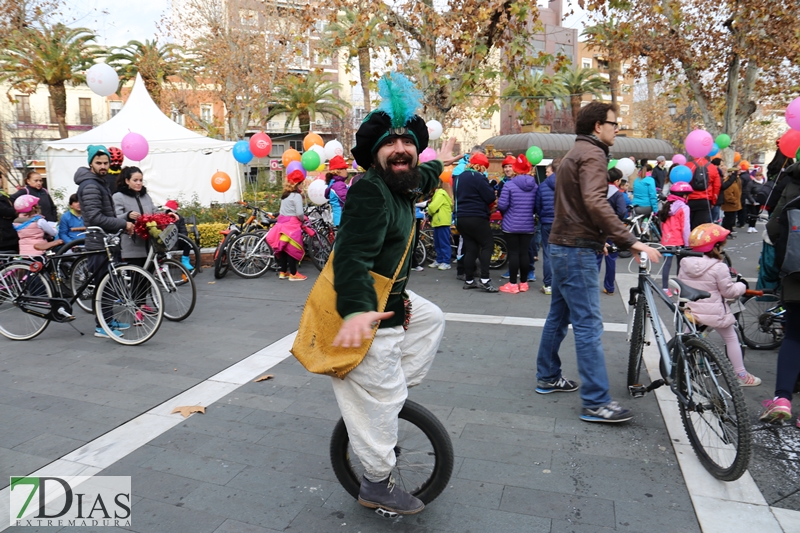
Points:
(380, 511)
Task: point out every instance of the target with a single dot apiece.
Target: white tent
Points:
(180, 162)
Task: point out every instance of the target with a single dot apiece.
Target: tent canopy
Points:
(180, 162)
(557, 145)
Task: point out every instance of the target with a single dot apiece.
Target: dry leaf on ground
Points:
(265, 377)
(186, 410)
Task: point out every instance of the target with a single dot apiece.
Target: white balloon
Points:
(626, 166)
(434, 129)
(316, 191)
(102, 79)
(321, 151)
(333, 148)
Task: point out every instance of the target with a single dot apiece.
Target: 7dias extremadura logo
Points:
(93, 501)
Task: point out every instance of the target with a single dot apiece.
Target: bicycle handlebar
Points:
(749, 292)
(680, 251)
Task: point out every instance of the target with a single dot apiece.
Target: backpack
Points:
(762, 192)
(791, 259)
(699, 178)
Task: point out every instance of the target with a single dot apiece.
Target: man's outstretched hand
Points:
(356, 329)
(445, 154)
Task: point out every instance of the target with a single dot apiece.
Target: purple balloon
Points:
(295, 165)
(678, 159)
(699, 143)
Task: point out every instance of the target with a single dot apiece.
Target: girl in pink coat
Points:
(710, 274)
(675, 228)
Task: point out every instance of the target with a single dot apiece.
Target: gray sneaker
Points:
(610, 414)
(486, 287)
(559, 385)
(386, 495)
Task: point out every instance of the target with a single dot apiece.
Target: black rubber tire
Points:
(221, 259)
(254, 266)
(121, 290)
(499, 253)
(750, 318)
(317, 249)
(728, 412)
(77, 275)
(184, 285)
(635, 359)
(428, 424)
(13, 286)
(194, 254)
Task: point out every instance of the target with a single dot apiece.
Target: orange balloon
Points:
(737, 157)
(290, 155)
(447, 175)
(221, 182)
(312, 139)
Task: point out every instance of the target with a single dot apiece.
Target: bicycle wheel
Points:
(178, 290)
(78, 275)
(761, 329)
(129, 295)
(424, 455)
(221, 259)
(420, 253)
(499, 253)
(715, 418)
(637, 341)
(15, 323)
(426, 237)
(249, 255)
(318, 249)
(194, 252)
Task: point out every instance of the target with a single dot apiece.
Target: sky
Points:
(116, 22)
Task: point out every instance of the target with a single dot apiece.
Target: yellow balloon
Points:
(321, 167)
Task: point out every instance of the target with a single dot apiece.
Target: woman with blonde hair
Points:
(286, 236)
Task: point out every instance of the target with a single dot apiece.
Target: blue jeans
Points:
(611, 269)
(441, 243)
(547, 275)
(533, 249)
(575, 300)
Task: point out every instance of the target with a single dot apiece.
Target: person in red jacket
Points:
(701, 202)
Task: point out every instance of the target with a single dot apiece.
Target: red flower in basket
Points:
(150, 225)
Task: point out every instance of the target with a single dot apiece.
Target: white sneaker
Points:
(434, 265)
(444, 266)
(752, 230)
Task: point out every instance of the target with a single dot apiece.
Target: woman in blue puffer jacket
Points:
(517, 202)
(645, 200)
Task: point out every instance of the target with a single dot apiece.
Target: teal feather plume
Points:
(400, 98)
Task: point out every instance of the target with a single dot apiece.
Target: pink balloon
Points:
(699, 143)
(678, 159)
(428, 154)
(134, 146)
(793, 114)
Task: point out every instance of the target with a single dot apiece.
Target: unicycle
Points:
(424, 455)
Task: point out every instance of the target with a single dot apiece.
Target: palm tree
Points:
(608, 37)
(577, 82)
(359, 39)
(154, 63)
(530, 93)
(302, 97)
(49, 56)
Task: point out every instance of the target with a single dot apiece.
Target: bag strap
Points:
(408, 247)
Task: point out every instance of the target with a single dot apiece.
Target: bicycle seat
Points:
(689, 294)
(42, 246)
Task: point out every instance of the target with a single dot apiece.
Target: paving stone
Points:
(471, 493)
(327, 411)
(532, 477)
(227, 411)
(461, 518)
(304, 424)
(148, 516)
(257, 401)
(47, 445)
(633, 516)
(18, 463)
(234, 526)
(195, 467)
(160, 486)
(502, 453)
(460, 416)
(180, 439)
(282, 487)
(230, 428)
(349, 517)
(246, 453)
(293, 440)
(559, 507)
(519, 437)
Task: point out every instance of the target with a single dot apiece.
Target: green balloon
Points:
(534, 155)
(723, 141)
(310, 160)
(797, 155)
(612, 163)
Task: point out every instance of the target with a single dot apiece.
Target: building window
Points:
(277, 150)
(207, 113)
(586, 62)
(624, 109)
(177, 117)
(85, 108)
(53, 117)
(564, 50)
(486, 123)
(297, 145)
(114, 107)
(23, 109)
(626, 89)
(248, 17)
(538, 46)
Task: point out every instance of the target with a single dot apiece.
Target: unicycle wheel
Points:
(424, 455)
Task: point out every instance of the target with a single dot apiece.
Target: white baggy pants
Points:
(372, 394)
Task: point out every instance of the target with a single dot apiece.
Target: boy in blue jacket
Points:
(71, 226)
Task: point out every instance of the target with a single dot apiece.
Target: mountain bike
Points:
(125, 294)
(258, 220)
(710, 401)
(424, 455)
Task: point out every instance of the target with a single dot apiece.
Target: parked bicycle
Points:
(178, 290)
(761, 320)
(125, 295)
(318, 243)
(710, 401)
(258, 220)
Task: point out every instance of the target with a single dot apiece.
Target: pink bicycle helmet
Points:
(705, 236)
(680, 187)
(25, 203)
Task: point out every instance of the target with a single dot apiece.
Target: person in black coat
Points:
(9, 240)
(778, 163)
(33, 186)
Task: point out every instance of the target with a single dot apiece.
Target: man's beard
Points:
(400, 182)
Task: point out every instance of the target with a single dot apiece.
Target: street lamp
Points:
(688, 115)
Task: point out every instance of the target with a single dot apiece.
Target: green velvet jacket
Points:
(372, 235)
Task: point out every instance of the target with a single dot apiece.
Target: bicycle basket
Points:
(164, 240)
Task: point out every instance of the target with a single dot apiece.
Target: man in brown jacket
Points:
(583, 221)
